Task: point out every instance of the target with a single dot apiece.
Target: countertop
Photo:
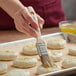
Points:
(13, 35)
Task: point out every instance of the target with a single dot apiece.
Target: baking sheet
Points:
(18, 45)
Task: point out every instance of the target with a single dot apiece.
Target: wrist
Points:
(11, 6)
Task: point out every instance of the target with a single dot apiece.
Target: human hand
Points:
(25, 23)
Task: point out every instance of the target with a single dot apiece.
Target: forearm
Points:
(11, 6)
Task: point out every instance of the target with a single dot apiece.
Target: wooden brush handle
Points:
(31, 10)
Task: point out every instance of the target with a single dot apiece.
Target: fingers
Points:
(36, 17)
(30, 30)
(22, 20)
(22, 26)
(40, 21)
(21, 29)
(29, 18)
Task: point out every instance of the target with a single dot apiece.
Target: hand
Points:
(23, 19)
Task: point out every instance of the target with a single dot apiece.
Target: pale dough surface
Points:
(3, 67)
(8, 55)
(69, 62)
(18, 72)
(72, 50)
(30, 49)
(25, 62)
(57, 43)
(43, 70)
(56, 55)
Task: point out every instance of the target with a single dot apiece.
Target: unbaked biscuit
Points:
(72, 51)
(56, 55)
(25, 62)
(8, 55)
(30, 49)
(3, 68)
(69, 62)
(18, 72)
(57, 43)
(42, 70)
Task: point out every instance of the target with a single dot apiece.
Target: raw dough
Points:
(18, 72)
(57, 43)
(56, 55)
(42, 70)
(3, 68)
(8, 55)
(69, 62)
(25, 62)
(72, 51)
(30, 49)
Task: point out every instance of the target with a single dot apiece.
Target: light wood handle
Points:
(31, 10)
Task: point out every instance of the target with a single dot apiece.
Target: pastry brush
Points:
(41, 44)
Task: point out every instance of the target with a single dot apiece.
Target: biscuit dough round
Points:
(72, 51)
(43, 70)
(25, 62)
(57, 43)
(30, 49)
(8, 55)
(55, 55)
(3, 68)
(69, 62)
(18, 72)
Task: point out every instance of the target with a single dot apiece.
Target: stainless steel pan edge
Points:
(64, 72)
(29, 39)
(57, 73)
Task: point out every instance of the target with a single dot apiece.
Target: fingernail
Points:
(33, 34)
(41, 25)
(37, 30)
